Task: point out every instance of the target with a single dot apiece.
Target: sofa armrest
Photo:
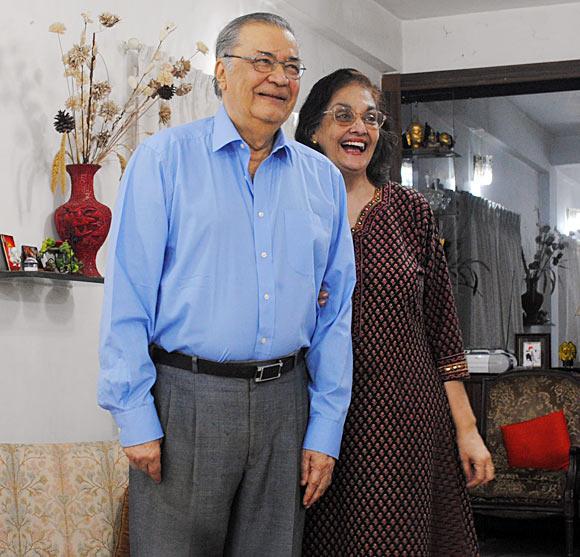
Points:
(122, 546)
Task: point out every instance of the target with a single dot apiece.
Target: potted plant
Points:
(540, 274)
(59, 257)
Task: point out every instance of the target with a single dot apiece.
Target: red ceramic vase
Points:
(82, 220)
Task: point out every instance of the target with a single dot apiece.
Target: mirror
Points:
(513, 163)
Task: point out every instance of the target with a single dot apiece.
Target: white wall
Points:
(521, 36)
(48, 332)
(567, 194)
(565, 150)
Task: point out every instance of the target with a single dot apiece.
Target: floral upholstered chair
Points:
(515, 397)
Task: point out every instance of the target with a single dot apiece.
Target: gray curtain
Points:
(569, 294)
(488, 233)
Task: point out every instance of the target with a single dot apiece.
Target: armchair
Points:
(517, 396)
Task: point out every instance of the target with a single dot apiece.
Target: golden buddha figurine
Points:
(446, 140)
(567, 353)
(414, 135)
(432, 139)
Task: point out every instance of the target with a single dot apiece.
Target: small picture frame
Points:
(533, 350)
(10, 252)
(29, 252)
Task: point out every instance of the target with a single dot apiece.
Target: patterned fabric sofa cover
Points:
(61, 499)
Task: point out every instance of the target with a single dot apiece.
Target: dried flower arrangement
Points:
(93, 125)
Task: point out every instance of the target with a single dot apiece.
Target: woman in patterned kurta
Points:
(399, 487)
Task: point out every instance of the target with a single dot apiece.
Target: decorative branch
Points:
(89, 101)
(89, 125)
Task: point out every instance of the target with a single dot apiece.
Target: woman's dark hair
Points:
(317, 102)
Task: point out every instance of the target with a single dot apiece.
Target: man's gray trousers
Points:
(230, 466)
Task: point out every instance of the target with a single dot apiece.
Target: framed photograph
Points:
(10, 252)
(533, 350)
(27, 252)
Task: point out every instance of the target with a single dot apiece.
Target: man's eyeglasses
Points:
(346, 116)
(265, 64)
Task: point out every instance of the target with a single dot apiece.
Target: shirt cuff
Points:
(139, 425)
(323, 435)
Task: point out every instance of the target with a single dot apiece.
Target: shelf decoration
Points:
(94, 127)
(10, 258)
(567, 353)
(424, 141)
(54, 261)
(59, 257)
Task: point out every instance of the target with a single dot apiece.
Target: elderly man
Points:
(228, 383)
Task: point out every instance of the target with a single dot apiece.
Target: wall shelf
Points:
(429, 153)
(27, 275)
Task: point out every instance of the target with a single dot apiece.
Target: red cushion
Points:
(543, 442)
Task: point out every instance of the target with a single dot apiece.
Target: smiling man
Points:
(229, 384)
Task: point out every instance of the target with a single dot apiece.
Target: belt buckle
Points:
(262, 373)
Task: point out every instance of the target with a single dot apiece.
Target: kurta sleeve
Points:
(440, 311)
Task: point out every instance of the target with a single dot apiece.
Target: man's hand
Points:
(316, 475)
(147, 458)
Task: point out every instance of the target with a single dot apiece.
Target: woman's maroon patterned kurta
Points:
(398, 488)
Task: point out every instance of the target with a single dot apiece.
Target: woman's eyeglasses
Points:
(346, 116)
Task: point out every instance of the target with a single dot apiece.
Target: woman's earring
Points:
(313, 139)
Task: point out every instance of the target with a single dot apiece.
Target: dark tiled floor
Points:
(524, 538)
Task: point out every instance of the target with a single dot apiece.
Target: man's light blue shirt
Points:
(206, 261)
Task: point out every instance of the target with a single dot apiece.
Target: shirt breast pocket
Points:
(300, 229)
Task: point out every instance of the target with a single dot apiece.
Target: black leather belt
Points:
(258, 370)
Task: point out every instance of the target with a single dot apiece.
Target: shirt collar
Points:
(224, 133)
(281, 144)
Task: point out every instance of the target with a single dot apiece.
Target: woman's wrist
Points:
(467, 427)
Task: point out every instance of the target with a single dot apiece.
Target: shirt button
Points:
(263, 255)
(261, 214)
(266, 296)
(263, 340)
